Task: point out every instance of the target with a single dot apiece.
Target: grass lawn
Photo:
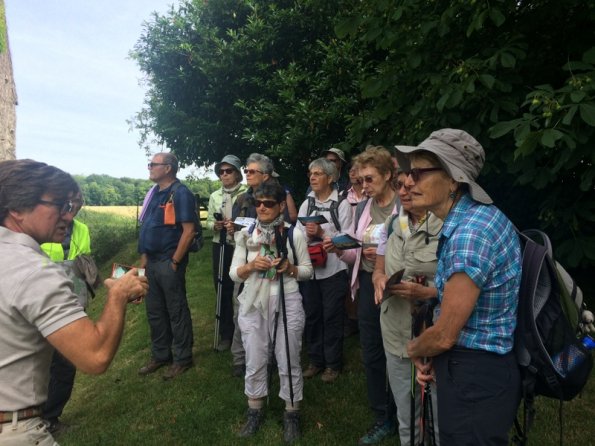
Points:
(206, 405)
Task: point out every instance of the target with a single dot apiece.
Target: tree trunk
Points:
(8, 94)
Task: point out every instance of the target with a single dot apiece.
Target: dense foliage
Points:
(103, 190)
(289, 78)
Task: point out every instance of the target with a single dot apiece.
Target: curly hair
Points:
(378, 157)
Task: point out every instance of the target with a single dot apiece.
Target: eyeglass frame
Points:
(66, 207)
(253, 171)
(151, 165)
(228, 171)
(417, 172)
(267, 203)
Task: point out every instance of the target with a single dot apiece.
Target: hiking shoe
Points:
(329, 375)
(291, 426)
(175, 370)
(311, 371)
(223, 345)
(253, 421)
(238, 370)
(152, 366)
(378, 432)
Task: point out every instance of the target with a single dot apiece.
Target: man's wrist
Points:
(174, 261)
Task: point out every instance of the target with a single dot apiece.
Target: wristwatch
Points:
(292, 273)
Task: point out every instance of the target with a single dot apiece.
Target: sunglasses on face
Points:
(252, 171)
(65, 207)
(400, 184)
(417, 172)
(267, 203)
(367, 179)
(151, 165)
(227, 171)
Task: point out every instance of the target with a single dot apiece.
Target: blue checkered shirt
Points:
(479, 240)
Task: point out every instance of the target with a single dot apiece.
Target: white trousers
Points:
(257, 337)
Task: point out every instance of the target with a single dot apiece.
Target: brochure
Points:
(392, 280)
(319, 219)
(118, 270)
(268, 252)
(244, 221)
(345, 241)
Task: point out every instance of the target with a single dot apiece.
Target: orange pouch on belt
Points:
(169, 214)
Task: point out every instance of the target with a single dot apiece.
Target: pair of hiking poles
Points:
(422, 319)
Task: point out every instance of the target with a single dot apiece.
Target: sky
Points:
(76, 85)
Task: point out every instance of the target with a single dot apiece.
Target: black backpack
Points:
(554, 362)
(198, 241)
(333, 209)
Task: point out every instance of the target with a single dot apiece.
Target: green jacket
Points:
(80, 243)
(215, 202)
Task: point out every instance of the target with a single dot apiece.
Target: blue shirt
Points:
(479, 240)
(156, 239)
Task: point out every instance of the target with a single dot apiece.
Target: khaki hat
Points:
(232, 160)
(459, 154)
(337, 152)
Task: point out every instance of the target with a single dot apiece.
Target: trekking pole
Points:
(222, 237)
(282, 250)
(412, 392)
(430, 416)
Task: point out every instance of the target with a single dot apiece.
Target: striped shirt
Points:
(479, 240)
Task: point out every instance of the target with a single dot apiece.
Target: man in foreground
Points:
(38, 308)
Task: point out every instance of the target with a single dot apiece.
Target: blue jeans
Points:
(168, 313)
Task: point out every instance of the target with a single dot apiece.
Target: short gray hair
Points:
(171, 159)
(263, 161)
(328, 167)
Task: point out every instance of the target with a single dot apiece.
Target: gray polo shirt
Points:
(36, 299)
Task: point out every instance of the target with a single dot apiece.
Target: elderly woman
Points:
(411, 246)
(219, 220)
(478, 279)
(256, 263)
(376, 171)
(324, 295)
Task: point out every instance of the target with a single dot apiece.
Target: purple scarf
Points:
(146, 202)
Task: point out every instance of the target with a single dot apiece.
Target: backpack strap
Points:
(359, 210)
(391, 223)
(333, 209)
(290, 239)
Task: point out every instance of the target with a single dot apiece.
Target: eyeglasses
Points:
(315, 174)
(66, 207)
(252, 171)
(151, 165)
(417, 172)
(367, 179)
(400, 184)
(267, 203)
(228, 171)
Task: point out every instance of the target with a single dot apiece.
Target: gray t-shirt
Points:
(36, 299)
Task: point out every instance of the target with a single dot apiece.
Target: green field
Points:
(206, 405)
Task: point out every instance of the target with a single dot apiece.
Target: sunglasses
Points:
(252, 171)
(400, 184)
(267, 203)
(151, 165)
(66, 207)
(367, 179)
(227, 171)
(417, 172)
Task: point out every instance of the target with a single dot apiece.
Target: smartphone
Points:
(393, 280)
(218, 216)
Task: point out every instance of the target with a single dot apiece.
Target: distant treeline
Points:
(103, 190)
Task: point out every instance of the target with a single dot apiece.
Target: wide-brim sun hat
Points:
(459, 153)
(337, 152)
(232, 160)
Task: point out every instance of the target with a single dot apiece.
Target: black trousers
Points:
(226, 325)
(324, 301)
(168, 313)
(368, 313)
(62, 374)
(478, 396)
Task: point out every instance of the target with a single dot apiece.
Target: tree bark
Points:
(8, 94)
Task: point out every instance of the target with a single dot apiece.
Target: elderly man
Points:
(38, 308)
(169, 224)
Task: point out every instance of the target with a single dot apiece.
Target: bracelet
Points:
(292, 273)
(174, 261)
